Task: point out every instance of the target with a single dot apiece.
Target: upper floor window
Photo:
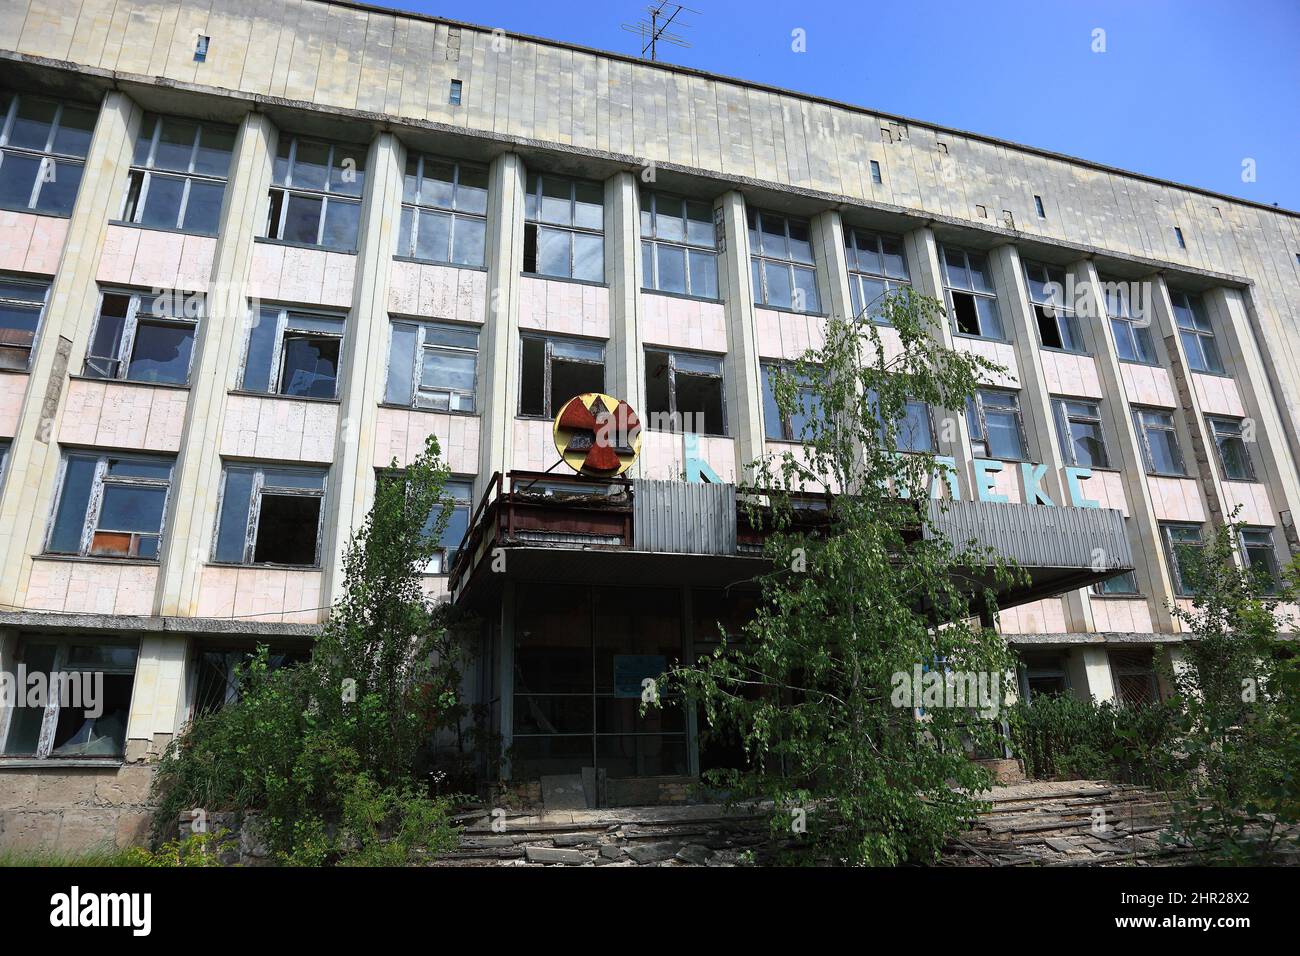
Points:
(141, 337)
(1078, 428)
(996, 427)
(432, 365)
(1261, 558)
(43, 146)
(1159, 439)
(781, 262)
(684, 392)
(56, 727)
(877, 265)
(316, 193)
(1058, 327)
(1132, 332)
(679, 249)
(1230, 442)
(291, 352)
(554, 370)
(1183, 546)
(22, 303)
(178, 175)
(459, 491)
(1196, 333)
(913, 430)
(797, 423)
(270, 515)
(564, 228)
(110, 506)
(971, 298)
(444, 205)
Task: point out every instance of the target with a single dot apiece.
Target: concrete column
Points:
(742, 377)
(352, 478)
(499, 344)
(625, 354)
(1153, 578)
(1020, 325)
(34, 460)
(196, 480)
(1089, 669)
(827, 230)
(922, 250)
(158, 696)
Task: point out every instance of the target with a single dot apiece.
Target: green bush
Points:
(1060, 737)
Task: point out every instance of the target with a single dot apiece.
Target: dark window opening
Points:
(286, 529)
(968, 320)
(310, 366)
(573, 378)
(1049, 331)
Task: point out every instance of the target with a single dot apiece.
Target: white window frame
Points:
(141, 176)
(978, 403)
(416, 207)
(1066, 320)
(275, 229)
(1141, 426)
(1201, 329)
(759, 260)
(651, 241)
(47, 156)
(44, 286)
(853, 242)
(1065, 437)
(572, 228)
(673, 358)
(284, 325)
(549, 358)
(950, 288)
(417, 371)
(254, 518)
(1234, 429)
(130, 326)
(95, 502)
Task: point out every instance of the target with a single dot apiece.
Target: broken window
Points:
(877, 266)
(1132, 332)
(270, 515)
(679, 248)
(458, 491)
(141, 337)
(684, 392)
(1134, 674)
(798, 424)
(970, 294)
(178, 175)
(43, 146)
(316, 194)
(996, 428)
(1183, 547)
(86, 707)
(1079, 431)
(291, 352)
(110, 506)
(444, 209)
(1042, 674)
(1230, 442)
(1159, 437)
(217, 676)
(554, 370)
(1196, 333)
(22, 303)
(431, 365)
(1261, 557)
(564, 228)
(781, 262)
(1058, 326)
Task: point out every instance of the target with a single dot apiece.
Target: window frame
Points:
(759, 259)
(1214, 423)
(1176, 571)
(50, 718)
(1193, 306)
(949, 288)
(571, 229)
(787, 425)
(1148, 461)
(46, 156)
(277, 351)
(253, 518)
(548, 359)
(652, 242)
(26, 304)
(858, 276)
(140, 177)
(446, 556)
(673, 415)
(1065, 434)
(130, 328)
(277, 214)
(1066, 319)
(416, 208)
(1274, 568)
(417, 371)
(977, 403)
(1119, 313)
(99, 484)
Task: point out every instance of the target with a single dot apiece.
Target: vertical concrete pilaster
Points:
(625, 354)
(196, 480)
(352, 477)
(742, 377)
(1090, 676)
(34, 459)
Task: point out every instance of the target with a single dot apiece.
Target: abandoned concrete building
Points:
(251, 253)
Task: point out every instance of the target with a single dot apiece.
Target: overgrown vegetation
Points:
(857, 596)
(330, 755)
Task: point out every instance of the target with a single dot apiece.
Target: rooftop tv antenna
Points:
(654, 30)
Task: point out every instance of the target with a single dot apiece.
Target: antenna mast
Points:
(655, 29)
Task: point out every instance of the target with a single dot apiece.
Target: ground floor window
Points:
(84, 707)
(1043, 674)
(581, 657)
(1134, 674)
(218, 674)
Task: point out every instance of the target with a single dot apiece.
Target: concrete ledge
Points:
(116, 623)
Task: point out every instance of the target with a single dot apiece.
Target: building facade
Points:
(252, 254)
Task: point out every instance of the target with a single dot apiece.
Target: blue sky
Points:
(1186, 89)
